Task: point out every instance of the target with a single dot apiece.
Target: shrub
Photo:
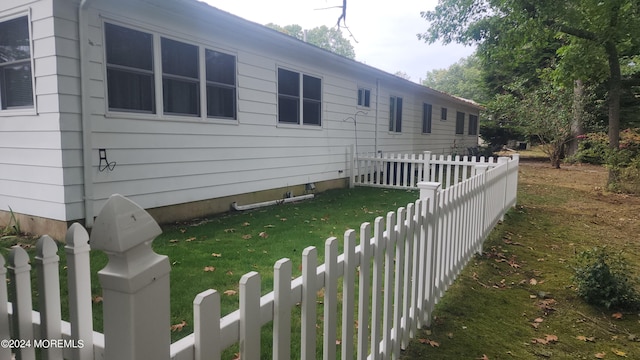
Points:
(602, 279)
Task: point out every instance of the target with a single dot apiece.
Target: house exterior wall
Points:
(161, 160)
(39, 145)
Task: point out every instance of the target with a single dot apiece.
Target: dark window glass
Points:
(288, 83)
(130, 83)
(221, 84)
(288, 110)
(312, 94)
(395, 114)
(16, 84)
(473, 124)
(459, 122)
(427, 111)
(180, 79)
(443, 114)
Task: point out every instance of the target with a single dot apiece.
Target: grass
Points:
(496, 310)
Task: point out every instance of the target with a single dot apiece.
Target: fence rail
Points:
(391, 281)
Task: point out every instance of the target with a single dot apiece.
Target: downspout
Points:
(84, 113)
(375, 140)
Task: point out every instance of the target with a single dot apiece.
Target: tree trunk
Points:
(578, 112)
(615, 89)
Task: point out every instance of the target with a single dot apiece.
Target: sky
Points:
(385, 31)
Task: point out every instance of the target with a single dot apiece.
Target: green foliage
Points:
(12, 229)
(602, 279)
(463, 78)
(321, 36)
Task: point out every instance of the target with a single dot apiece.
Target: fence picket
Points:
(406, 323)
(46, 263)
(206, 325)
(348, 294)
(79, 285)
(389, 256)
(250, 316)
(282, 309)
(330, 299)
(364, 290)
(5, 351)
(20, 279)
(308, 311)
(398, 293)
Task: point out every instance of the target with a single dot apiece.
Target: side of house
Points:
(184, 103)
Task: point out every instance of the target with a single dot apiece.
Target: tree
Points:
(327, 38)
(402, 74)
(594, 36)
(464, 79)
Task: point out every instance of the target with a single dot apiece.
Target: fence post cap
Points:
(427, 185)
(122, 225)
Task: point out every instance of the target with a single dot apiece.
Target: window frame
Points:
(460, 117)
(395, 114)
(300, 98)
(27, 109)
(158, 76)
(168, 77)
(364, 97)
(427, 118)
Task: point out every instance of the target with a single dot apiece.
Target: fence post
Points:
(504, 160)
(135, 283)
(429, 192)
(5, 352)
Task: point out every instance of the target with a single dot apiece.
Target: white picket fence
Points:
(391, 282)
(391, 170)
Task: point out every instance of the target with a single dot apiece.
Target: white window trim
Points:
(32, 110)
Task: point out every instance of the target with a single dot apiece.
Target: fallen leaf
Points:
(538, 320)
(600, 355)
(533, 281)
(190, 239)
(209, 268)
(586, 339)
(430, 342)
(178, 327)
(236, 356)
(617, 315)
(269, 226)
(484, 357)
(229, 272)
(450, 335)
(230, 292)
(338, 342)
(230, 230)
(551, 338)
(532, 296)
(96, 299)
(216, 255)
(246, 224)
(247, 236)
(263, 234)
(619, 353)
(539, 341)
(173, 241)
(283, 219)
(183, 230)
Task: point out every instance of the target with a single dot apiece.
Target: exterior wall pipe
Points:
(86, 121)
(235, 205)
(375, 131)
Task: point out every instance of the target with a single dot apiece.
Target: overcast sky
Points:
(385, 30)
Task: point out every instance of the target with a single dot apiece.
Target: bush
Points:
(592, 149)
(602, 279)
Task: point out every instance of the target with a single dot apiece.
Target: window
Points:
(364, 97)
(427, 110)
(221, 84)
(299, 98)
(443, 114)
(129, 69)
(180, 78)
(459, 122)
(473, 124)
(395, 114)
(16, 82)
